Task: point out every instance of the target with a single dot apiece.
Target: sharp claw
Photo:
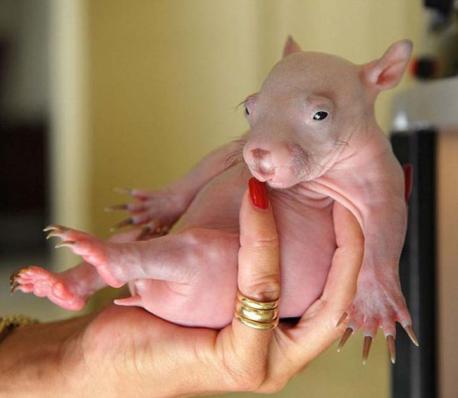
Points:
(410, 332)
(342, 318)
(13, 282)
(123, 191)
(366, 348)
(391, 348)
(124, 206)
(13, 287)
(55, 227)
(65, 243)
(53, 234)
(13, 277)
(50, 228)
(124, 223)
(348, 332)
(145, 232)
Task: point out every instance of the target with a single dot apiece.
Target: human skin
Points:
(314, 139)
(125, 351)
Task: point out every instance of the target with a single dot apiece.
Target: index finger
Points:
(317, 328)
(341, 284)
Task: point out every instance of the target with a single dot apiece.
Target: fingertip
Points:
(347, 228)
(257, 224)
(341, 284)
(259, 271)
(258, 193)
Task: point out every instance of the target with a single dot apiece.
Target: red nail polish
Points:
(408, 180)
(258, 193)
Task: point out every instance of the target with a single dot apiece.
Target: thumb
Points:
(259, 270)
(258, 274)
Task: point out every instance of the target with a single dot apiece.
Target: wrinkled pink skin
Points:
(189, 276)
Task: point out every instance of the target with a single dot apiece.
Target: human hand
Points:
(130, 352)
(154, 356)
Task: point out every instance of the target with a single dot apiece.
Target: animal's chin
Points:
(280, 184)
(277, 181)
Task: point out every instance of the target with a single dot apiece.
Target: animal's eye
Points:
(321, 115)
(247, 111)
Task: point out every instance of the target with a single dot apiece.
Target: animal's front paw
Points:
(93, 250)
(379, 303)
(42, 283)
(158, 210)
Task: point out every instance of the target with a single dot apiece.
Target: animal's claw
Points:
(53, 234)
(55, 227)
(42, 283)
(123, 191)
(59, 231)
(348, 332)
(410, 332)
(13, 280)
(148, 231)
(49, 228)
(13, 287)
(65, 243)
(123, 206)
(391, 348)
(152, 230)
(13, 276)
(366, 348)
(13, 283)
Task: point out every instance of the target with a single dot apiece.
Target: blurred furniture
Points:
(23, 185)
(426, 135)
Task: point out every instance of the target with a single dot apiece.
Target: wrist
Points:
(34, 360)
(180, 196)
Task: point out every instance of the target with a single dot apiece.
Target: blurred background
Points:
(97, 94)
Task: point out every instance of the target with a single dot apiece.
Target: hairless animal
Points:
(313, 138)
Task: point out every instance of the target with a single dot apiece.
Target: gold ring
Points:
(261, 315)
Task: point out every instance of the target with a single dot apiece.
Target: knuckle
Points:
(266, 241)
(265, 287)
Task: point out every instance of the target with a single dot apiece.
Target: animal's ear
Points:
(290, 47)
(386, 72)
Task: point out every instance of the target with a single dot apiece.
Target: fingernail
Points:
(258, 193)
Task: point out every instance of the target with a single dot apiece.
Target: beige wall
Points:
(165, 77)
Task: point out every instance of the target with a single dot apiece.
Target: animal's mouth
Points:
(281, 166)
(279, 185)
(280, 178)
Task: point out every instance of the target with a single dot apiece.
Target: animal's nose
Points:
(263, 162)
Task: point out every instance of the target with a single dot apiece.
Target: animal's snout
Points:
(263, 162)
(280, 163)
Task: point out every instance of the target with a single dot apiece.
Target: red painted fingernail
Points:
(258, 193)
(408, 180)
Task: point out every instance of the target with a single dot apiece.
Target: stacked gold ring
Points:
(262, 315)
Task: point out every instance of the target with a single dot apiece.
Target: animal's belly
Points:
(307, 244)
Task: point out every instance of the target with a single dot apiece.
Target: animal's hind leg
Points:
(71, 288)
(177, 257)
